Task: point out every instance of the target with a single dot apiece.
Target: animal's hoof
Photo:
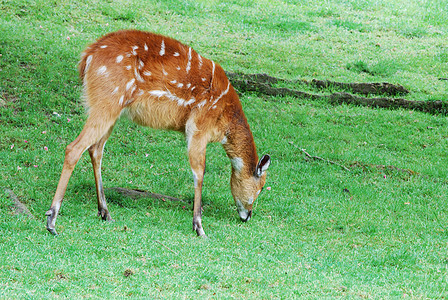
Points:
(52, 231)
(200, 232)
(51, 221)
(202, 235)
(197, 226)
(105, 215)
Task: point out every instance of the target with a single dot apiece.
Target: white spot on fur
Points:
(172, 97)
(224, 140)
(188, 85)
(140, 92)
(213, 73)
(128, 102)
(190, 130)
(115, 91)
(164, 72)
(178, 68)
(157, 93)
(137, 76)
(162, 48)
(88, 61)
(121, 100)
(200, 61)
(133, 50)
(202, 103)
(203, 79)
(180, 85)
(119, 59)
(130, 84)
(128, 67)
(237, 163)
(102, 71)
(191, 101)
(176, 54)
(141, 64)
(146, 47)
(104, 46)
(222, 95)
(147, 73)
(188, 68)
(173, 81)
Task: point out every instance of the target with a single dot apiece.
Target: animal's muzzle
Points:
(249, 214)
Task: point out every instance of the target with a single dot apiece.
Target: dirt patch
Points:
(6, 98)
(263, 83)
(18, 207)
(376, 88)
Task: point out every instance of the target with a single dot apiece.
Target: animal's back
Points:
(157, 79)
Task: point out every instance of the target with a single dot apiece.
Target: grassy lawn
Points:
(379, 230)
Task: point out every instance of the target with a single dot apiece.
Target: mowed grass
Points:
(376, 231)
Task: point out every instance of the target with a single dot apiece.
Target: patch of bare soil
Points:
(263, 83)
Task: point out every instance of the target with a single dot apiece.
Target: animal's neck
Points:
(240, 146)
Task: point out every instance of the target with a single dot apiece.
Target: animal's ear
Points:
(262, 165)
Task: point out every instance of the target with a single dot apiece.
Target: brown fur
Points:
(161, 83)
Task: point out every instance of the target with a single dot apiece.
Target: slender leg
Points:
(96, 155)
(196, 153)
(94, 129)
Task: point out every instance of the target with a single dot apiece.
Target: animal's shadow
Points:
(140, 199)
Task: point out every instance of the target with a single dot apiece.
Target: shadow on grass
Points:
(135, 197)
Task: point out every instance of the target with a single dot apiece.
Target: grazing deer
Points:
(164, 84)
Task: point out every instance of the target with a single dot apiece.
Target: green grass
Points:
(320, 231)
(382, 68)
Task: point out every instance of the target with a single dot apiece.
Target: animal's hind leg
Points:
(96, 155)
(96, 127)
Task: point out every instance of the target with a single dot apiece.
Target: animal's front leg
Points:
(197, 208)
(196, 153)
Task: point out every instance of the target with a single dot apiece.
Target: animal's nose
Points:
(249, 214)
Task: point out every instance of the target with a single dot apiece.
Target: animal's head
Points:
(245, 189)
